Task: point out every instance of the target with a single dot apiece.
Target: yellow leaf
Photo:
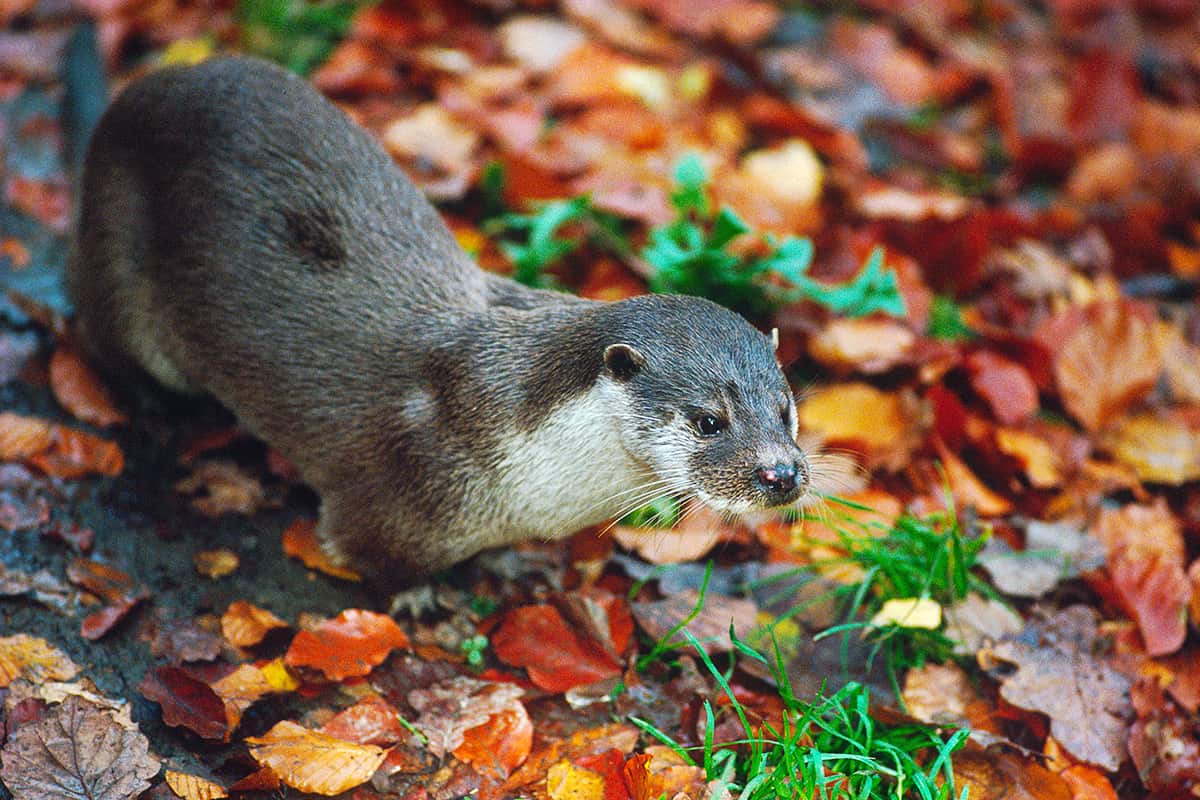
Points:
(1040, 461)
(565, 781)
(315, 762)
(279, 677)
(34, 660)
(909, 612)
(1160, 449)
(240, 689)
(192, 787)
(185, 52)
(216, 564)
(245, 625)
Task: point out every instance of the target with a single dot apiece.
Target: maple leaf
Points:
(77, 751)
(1059, 675)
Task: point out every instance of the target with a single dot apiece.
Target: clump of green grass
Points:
(689, 255)
(930, 558)
(946, 320)
(827, 747)
(297, 34)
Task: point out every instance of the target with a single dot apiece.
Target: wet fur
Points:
(238, 235)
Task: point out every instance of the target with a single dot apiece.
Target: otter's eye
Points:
(708, 425)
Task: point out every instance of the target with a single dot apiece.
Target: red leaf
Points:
(1004, 384)
(78, 389)
(611, 765)
(350, 645)
(96, 625)
(186, 702)
(371, 720)
(539, 639)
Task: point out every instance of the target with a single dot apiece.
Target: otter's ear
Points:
(623, 361)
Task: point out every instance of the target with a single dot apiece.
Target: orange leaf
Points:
(660, 772)
(245, 625)
(565, 781)
(300, 541)
(881, 425)
(57, 450)
(499, 745)
(966, 487)
(1108, 363)
(217, 563)
(192, 787)
(1146, 563)
(79, 390)
(240, 689)
(34, 660)
(350, 645)
(371, 720)
(314, 762)
(558, 659)
(1004, 384)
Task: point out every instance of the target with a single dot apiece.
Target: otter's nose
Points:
(780, 478)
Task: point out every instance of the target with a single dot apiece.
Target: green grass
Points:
(297, 34)
(826, 747)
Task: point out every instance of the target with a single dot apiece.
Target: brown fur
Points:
(238, 235)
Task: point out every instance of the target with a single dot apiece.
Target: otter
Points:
(239, 235)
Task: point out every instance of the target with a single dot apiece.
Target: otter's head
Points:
(709, 410)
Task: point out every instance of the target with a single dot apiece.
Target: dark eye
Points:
(708, 425)
(785, 414)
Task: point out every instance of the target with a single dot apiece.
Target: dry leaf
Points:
(710, 626)
(314, 762)
(430, 133)
(42, 759)
(240, 689)
(371, 720)
(539, 44)
(976, 620)
(57, 450)
(349, 645)
(1158, 447)
(1054, 552)
(193, 787)
(912, 612)
(214, 564)
(188, 702)
(245, 625)
(579, 745)
(965, 486)
(300, 541)
(565, 781)
(870, 345)
(697, 534)
(938, 693)
(557, 656)
(222, 487)
(857, 415)
(1058, 674)
(78, 389)
(35, 660)
(1040, 461)
(499, 745)
(1107, 364)
(661, 772)
(1146, 564)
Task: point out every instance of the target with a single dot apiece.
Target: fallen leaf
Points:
(241, 689)
(183, 639)
(661, 772)
(300, 541)
(193, 787)
(698, 533)
(57, 450)
(966, 488)
(222, 487)
(977, 620)
(537, 43)
(1107, 364)
(879, 424)
(78, 389)
(41, 759)
(710, 626)
(1054, 552)
(1146, 564)
(870, 345)
(96, 626)
(938, 693)
(430, 133)
(245, 625)
(556, 657)
(1158, 447)
(999, 774)
(1087, 784)
(187, 701)
(579, 745)
(103, 580)
(565, 781)
(911, 612)
(1040, 461)
(1004, 384)
(371, 720)
(1059, 675)
(214, 564)
(312, 761)
(501, 744)
(349, 645)
(35, 660)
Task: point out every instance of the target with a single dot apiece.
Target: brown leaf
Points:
(938, 694)
(661, 772)
(371, 720)
(581, 744)
(998, 774)
(78, 389)
(35, 660)
(1146, 564)
(214, 564)
(184, 639)
(97, 625)
(710, 626)
(698, 533)
(968, 491)
(501, 744)
(300, 541)
(42, 759)
(350, 645)
(245, 625)
(1059, 675)
(1107, 364)
(57, 450)
(312, 761)
(240, 689)
(1004, 384)
(450, 708)
(1163, 743)
(1160, 448)
(222, 487)
(187, 701)
(193, 787)
(880, 425)
(870, 345)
